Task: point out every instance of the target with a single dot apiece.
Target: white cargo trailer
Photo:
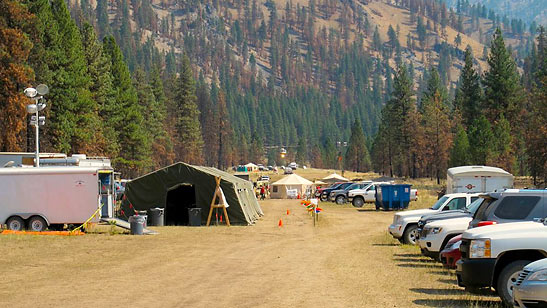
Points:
(36, 198)
(471, 179)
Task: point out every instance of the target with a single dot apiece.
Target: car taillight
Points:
(486, 223)
(416, 192)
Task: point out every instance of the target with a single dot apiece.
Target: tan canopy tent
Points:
(334, 178)
(290, 186)
(251, 167)
(318, 183)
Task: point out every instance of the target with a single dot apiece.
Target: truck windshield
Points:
(439, 202)
(472, 208)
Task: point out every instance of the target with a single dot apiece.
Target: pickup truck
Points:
(405, 224)
(493, 256)
(326, 192)
(367, 194)
(436, 233)
(341, 195)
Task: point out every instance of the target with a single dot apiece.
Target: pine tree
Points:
(126, 116)
(16, 23)
(102, 92)
(437, 130)
(459, 155)
(434, 87)
(162, 147)
(224, 131)
(189, 141)
(357, 155)
(481, 140)
(73, 115)
(468, 94)
(399, 110)
(502, 146)
(502, 91)
(302, 151)
(103, 23)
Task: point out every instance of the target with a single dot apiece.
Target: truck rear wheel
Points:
(358, 202)
(15, 223)
(507, 277)
(37, 223)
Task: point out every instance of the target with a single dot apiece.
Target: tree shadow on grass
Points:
(442, 272)
(433, 291)
(458, 303)
(386, 244)
(424, 260)
(449, 281)
(407, 255)
(419, 265)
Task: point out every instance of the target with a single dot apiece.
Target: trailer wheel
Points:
(37, 223)
(15, 223)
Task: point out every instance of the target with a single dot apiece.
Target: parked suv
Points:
(341, 195)
(493, 256)
(405, 224)
(510, 205)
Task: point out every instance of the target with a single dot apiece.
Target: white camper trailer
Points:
(471, 179)
(35, 198)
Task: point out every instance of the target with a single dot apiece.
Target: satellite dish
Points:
(42, 89)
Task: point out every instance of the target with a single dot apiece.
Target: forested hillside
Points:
(225, 82)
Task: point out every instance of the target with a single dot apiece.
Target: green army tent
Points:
(181, 186)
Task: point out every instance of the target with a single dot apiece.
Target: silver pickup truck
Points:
(358, 197)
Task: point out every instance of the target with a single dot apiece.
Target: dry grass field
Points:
(348, 260)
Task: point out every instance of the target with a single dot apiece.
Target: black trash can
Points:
(156, 217)
(194, 216)
(137, 224)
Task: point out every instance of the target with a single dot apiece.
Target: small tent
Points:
(181, 186)
(282, 188)
(318, 183)
(334, 178)
(251, 167)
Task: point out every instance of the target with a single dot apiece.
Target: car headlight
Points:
(480, 248)
(540, 275)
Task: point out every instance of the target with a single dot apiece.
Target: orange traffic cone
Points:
(288, 212)
(280, 223)
(298, 197)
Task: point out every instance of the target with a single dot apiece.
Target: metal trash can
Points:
(137, 224)
(194, 216)
(156, 217)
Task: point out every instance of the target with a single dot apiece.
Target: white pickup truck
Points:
(405, 224)
(493, 256)
(358, 197)
(435, 234)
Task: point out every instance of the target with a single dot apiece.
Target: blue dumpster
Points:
(392, 196)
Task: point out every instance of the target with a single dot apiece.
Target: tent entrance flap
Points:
(179, 199)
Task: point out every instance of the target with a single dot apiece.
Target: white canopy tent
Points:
(334, 178)
(251, 167)
(290, 186)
